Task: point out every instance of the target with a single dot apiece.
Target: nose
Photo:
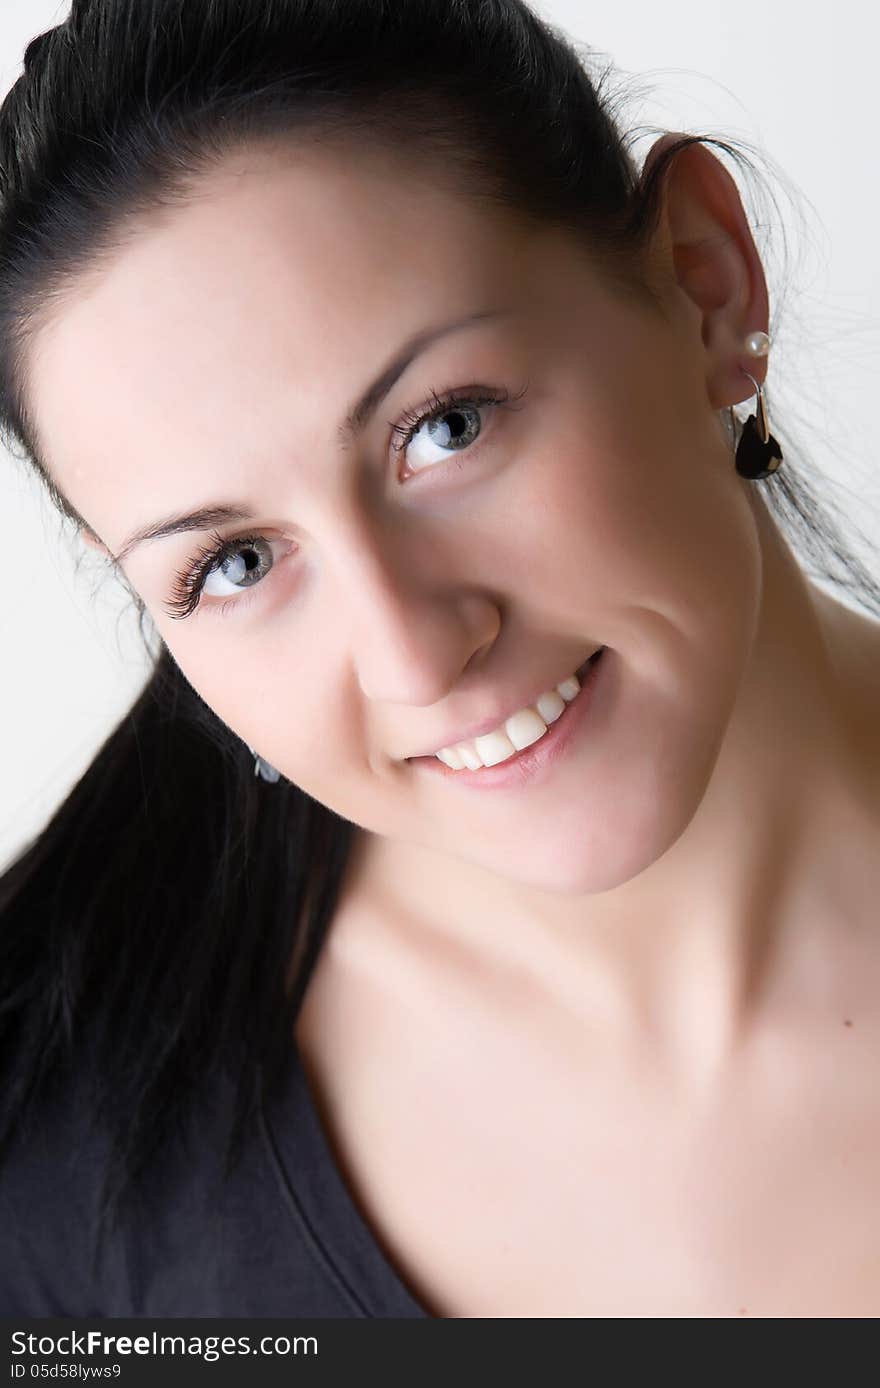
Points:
(412, 633)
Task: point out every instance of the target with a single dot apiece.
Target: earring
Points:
(263, 768)
(757, 454)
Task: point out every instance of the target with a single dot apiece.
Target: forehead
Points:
(254, 313)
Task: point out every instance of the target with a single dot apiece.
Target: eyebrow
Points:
(356, 420)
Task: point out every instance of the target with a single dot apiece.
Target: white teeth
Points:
(568, 688)
(468, 757)
(550, 705)
(455, 761)
(520, 730)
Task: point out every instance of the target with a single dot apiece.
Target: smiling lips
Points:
(514, 733)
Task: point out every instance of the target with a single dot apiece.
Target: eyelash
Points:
(189, 582)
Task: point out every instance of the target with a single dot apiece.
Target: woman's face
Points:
(388, 598)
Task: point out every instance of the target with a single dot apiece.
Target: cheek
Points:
(243, 688)
(230, 696)
(273, 687)
(654, 543)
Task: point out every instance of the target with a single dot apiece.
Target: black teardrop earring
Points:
(758, 453)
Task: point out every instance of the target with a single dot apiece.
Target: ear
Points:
(704, 240)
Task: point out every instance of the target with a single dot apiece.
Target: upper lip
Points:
(495, 720)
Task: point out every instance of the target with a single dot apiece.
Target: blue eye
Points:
(225, 560)
(462, 407)
(234, 569)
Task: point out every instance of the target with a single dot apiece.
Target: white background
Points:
(804, 93)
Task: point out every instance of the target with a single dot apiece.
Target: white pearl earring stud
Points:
(757, 344)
